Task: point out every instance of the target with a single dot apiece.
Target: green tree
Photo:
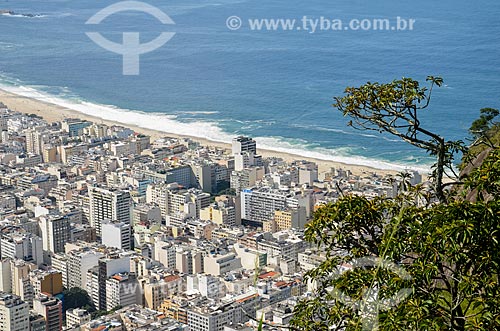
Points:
(485, 133)
(449, 251)
(405, 179)
(99, 313)
(484, 123)
(394, 108)
(77, 298)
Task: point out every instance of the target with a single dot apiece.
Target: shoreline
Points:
(53, 113)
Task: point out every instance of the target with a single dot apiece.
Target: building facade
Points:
(108, 205)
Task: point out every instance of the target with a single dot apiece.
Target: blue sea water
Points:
(277, 86)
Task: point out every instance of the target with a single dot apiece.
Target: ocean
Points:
(276, 86)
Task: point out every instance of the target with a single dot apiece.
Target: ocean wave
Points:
(154, 121)
(29, 15)
(188, 8)
(7, 46)
(342, 155)
(194, 112)
(19, 15)
(367, 135)
(200, 129)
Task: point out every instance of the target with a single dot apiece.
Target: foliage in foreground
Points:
(451, 252)
(446, 250)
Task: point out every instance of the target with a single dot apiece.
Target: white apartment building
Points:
(34, 140)
(78, 263)
(219, 265)
(208, 286)
(23, 246)
(60, 263)
(244, 144)
(76, 317)
(117, 234)
(5, 276)
(173, 201)
(111, 205)
(165, 253)
(122, 290)
(93, 288)
(217, 318)
(97, 276)
(206, 320)
(311, 259)
(14, 313)
(287, 249)
(260, 204)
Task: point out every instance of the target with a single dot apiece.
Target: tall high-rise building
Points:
(308, 172)
(203, 177)
(173, 200)
(24, 246)
(108, 205)
(244, 144)
(165, 253)
(146, 213)
(14, 313)
(4, 121)
(189, 261)
(219, 265)
(20, 280)
(56, 231)
(97, 277)
(117, 234)
(47, 282)
(260, 204)
(93, 287)
(4, 136)
(34, 141)
(60, 263)
(157, 291)
(78, 263)
(51, 309)
(122, 290)
(290, 219)
(5, 276)
(220, 214)
(245, 178)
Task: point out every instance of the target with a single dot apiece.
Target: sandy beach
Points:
(54, 113)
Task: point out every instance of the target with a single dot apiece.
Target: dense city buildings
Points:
(154, 234)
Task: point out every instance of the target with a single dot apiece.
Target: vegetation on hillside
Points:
(485, 131)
